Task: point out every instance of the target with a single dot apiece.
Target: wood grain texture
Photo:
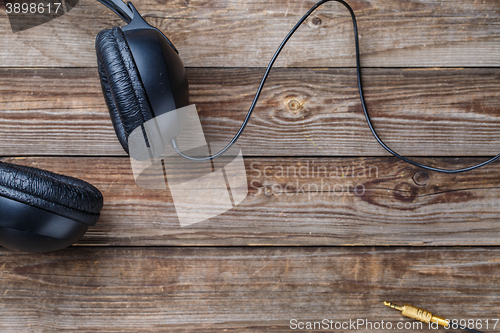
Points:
(320, 188)
(417, 33)
(240, 289)
(302, 201)
(428, 112)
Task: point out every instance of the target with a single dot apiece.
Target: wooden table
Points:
(431, 71)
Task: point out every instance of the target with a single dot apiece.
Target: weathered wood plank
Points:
(419, 33)
(241, 289)
(303, 201)
(448, 112)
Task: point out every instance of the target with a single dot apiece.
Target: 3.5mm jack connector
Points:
(413, 312)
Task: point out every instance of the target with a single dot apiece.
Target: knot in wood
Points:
(316, 21)
(421, 178)
(294, 105)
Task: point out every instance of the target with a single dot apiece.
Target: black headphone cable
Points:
(360, 88)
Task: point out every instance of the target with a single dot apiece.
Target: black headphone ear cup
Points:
(121, 84)
(66, 196)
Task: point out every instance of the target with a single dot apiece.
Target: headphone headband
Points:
(157, 60)
(119, 8)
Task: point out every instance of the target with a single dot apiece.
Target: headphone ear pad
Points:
(41, 211)
(66, 196)
(121, 85)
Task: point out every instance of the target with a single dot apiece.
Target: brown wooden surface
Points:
(304, 201)
(292, 249)
(241, 289)
(416, 33)
(425, 112)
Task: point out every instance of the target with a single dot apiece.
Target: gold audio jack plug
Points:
(413, 312)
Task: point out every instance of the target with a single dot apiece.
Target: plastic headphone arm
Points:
(119, 8)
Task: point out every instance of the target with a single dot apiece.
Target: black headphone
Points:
(42, 211)
(142, 77)
(138, 64)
